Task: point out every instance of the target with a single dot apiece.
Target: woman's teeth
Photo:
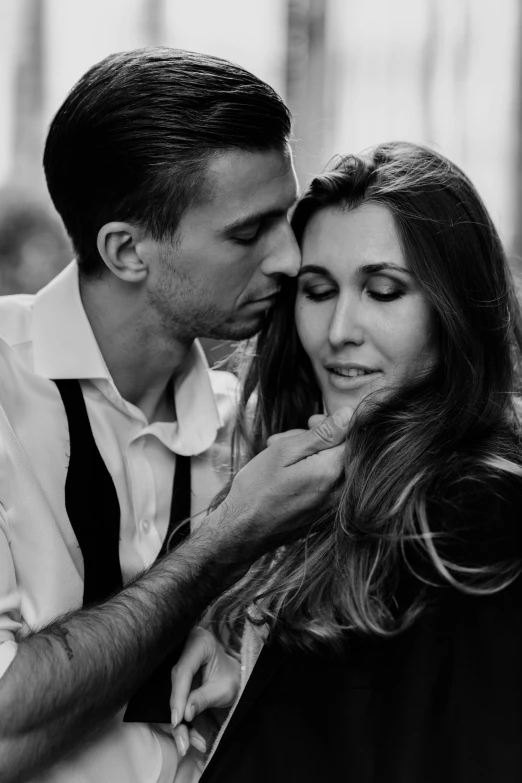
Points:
(352, 372)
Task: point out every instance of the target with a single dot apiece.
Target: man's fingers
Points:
(316, 419)
(280, 435)
(328, 433)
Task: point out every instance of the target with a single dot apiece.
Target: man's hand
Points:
(68, 678)
(272, 496)
(202, 661)
(313, 421)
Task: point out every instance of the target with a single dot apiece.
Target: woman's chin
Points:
(352, 400)
(331, 405)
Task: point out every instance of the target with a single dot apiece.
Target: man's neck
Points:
(140, 360)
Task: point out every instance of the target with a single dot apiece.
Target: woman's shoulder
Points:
(475, 520)
(485, 492)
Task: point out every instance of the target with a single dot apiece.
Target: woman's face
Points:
(360, 315)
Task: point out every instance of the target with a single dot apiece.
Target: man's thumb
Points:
(330, 432)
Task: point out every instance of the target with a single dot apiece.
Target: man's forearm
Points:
(70, 677)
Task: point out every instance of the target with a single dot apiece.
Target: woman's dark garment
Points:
(439, 703)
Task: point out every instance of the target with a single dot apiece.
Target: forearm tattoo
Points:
(61, 634)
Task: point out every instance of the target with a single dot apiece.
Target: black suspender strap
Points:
(94, 512)
(91, 501)
(179, 519)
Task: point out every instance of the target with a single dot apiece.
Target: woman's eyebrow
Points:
(313, 269)
(372, 269)
(367, 269)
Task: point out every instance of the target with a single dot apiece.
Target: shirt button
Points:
(145, 525)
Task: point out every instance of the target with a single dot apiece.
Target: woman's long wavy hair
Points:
(407, 453)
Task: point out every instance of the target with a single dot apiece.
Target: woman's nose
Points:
(346, 324)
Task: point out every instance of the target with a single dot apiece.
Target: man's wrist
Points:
(226, 551)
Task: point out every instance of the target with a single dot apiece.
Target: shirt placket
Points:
(148, 543)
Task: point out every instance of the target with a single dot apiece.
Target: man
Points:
(173, 176)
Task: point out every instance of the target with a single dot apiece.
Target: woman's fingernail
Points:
(189, 712)
(199, 744)
(174, 718)
(180, 742)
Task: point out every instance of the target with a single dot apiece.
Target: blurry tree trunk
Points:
(517, 163)
(28, 118)
(429, 67)
(306, 82)
(154, 22)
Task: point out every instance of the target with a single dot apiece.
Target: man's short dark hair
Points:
(133, 138)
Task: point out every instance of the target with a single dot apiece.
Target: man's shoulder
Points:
(21, 391)
(16, 318)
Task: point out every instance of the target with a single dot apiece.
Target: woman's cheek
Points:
(309, 329)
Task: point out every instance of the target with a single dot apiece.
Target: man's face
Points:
(219, 277)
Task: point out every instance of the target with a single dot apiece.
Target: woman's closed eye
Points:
(383, 289)
(385, 294)
(319, 293)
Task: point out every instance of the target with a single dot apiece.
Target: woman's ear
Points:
(117, 245)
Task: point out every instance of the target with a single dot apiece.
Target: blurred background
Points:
(353, 72)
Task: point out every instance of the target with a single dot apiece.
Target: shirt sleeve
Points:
(10, 620)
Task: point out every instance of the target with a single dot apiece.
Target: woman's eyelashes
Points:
(385, 296)
(386, 292)
(318, 293)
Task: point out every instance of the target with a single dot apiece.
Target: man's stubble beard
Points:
(188, 324)
(174, 301)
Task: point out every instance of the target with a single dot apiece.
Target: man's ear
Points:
(117, 243)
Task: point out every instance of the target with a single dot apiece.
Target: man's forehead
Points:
(252, 179)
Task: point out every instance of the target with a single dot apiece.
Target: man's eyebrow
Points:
(367, 269)
(255, 217)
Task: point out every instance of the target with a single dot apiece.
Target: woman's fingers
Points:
(196, 653)
(181, 738)
(197, 740)
(219, 690)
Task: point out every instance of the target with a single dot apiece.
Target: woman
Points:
(394, 629)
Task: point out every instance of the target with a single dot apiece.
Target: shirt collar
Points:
(64, 346)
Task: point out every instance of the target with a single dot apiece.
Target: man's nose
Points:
(284, 256)
(346, 323)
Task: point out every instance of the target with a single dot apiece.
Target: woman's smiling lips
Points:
(345, 376)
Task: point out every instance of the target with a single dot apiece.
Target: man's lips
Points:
(267, 298)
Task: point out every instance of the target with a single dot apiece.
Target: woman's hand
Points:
(203, 663)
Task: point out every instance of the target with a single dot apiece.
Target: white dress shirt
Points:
(41, 566)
